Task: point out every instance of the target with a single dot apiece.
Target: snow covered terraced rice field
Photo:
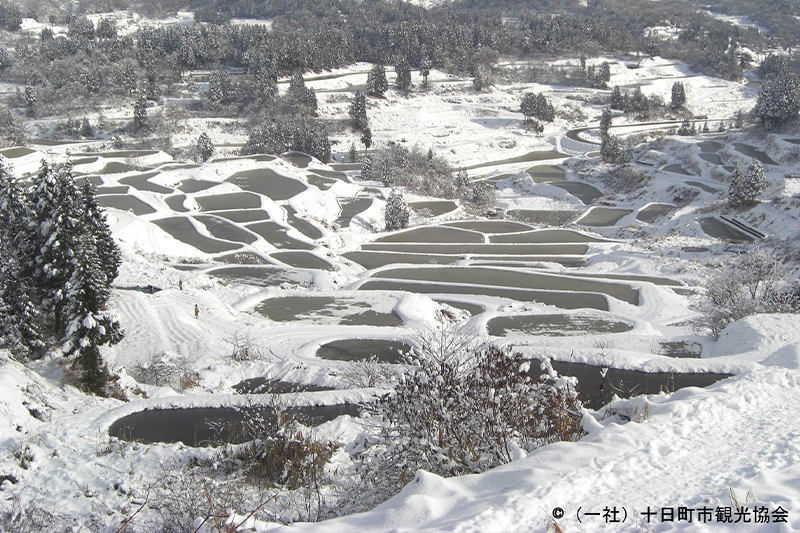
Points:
(286, 256)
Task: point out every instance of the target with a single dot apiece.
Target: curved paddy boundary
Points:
(563, 300)
(508, 278)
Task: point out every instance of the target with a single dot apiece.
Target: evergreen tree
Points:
(140, 114)
(218, 88)
(778, 100)
(425, 70)
(678, 95)
(366, 139)
(301, 96)
(605, 123)
(17, 313)
(30, 100)
(366, 168)
(705, 127)
(57, 223)
(377, 84)
(353, 153)
(403, 71)
(686, 128)
(204, 147)
(736, 195)
(613, 151)
(748, 187)
(86, 129)
(397, 211)
(358, 111)
(616, 101)
(537, 106)
(94, 223)
(88, 327)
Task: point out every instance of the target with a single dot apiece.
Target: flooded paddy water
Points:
(213, 426)
(351, 311)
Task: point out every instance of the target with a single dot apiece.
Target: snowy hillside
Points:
(274, 272)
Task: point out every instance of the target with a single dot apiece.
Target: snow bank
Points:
(758, 336)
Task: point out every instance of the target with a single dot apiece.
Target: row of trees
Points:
(56, 270)
(96, 60)
(425, 173)
(302, 135)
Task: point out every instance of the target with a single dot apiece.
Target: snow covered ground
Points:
(200, 239)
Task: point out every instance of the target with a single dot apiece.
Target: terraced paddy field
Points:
(507, 277)
(556, 325)
(354, 311)
(267, 182)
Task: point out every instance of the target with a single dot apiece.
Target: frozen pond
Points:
(525, 158)
(562, 300)
(242, 258)
(183, 230)
(676, 168)
(233, 200)
(176, 203)
(242, 215)
(385, 351)
(434, 207)
(680, 349)
(334, 174)
(703, 187)
(302, 259)
(596, 391)
(114, 189)
(298, 159)
(211, 426)
(267, 182)
(513, 279)
(751, 151)
(16, 151)
(351, 207)
(115, 167)
(370, 260)
(582, 191)
(262, 276)
(714, 159)
(191, 186)
(709, 146)
(125, 202)
(546, 236)
(547, 218)
(302, 225)
(490, 226)
(653, 212)
(603, 216)
(479, 248)
(320, 182)
(274, 386)
(222, 229)
(275, 234)
(555, 325)
(350, 311)
(718, 229)
(545, 173)
(142, 183)
(434, 234)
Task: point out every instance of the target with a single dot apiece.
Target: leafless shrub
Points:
(369, 373)
(243, 347)
(624, 179)
(752, 283)
(161, 370)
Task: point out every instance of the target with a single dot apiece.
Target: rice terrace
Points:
(352, 265)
